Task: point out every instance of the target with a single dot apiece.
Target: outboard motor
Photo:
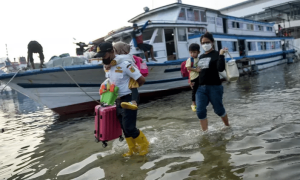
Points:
(81, 50)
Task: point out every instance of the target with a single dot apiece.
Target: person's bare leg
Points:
(152, 54)
(32, 65)
(146, 56)
(204, 124)
(225, 120)
(42, 64)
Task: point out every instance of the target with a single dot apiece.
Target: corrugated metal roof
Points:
(236, 5)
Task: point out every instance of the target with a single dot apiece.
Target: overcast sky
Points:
(54, 23)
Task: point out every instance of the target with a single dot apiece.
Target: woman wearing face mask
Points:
(210, 88)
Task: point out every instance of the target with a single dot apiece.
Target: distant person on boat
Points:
(210, 88)
(137, 36)
(120, 76)
(35, 47)
(192, 67)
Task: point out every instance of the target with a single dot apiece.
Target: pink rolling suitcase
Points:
(107, 125)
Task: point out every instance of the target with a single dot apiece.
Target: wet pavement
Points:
(262, 143)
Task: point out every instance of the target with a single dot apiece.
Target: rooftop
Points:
(167, 7)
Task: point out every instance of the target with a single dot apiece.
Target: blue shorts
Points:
(210, 94)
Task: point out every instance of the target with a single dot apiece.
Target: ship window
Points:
(269, 29)
(147, 34)
(193, 15)
(219, 21)
(272, 45)
(158, 37)
(196, 14)
(203, 16)
(262, 46)
(268, 45)
(190, 15)
(210, 20)
(249, 26)
(265, 45)
(233, 24)
(231, 45)
(182, 14)
(234, 46)
(259, 28)
(251, 46)
(236, 25)
(277, 45)
(181, 34)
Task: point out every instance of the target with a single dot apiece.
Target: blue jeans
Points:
(212, 94)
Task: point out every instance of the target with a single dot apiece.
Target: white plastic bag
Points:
(231, 72)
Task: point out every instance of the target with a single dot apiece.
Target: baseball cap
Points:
(103, 48)
(135, 25)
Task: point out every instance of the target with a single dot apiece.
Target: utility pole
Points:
(6, 52)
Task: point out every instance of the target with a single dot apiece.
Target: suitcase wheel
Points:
(96, 140)
(121, 139)
(104, 144)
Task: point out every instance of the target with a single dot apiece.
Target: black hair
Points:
(194, 47)
(208, 36)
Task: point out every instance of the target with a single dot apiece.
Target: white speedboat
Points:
(174, 27)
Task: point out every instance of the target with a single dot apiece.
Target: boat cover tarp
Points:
(66, 61)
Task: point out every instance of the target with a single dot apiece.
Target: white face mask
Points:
(207, 47)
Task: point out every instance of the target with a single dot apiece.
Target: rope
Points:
(11, 80)
(229, 55)
(79, 86)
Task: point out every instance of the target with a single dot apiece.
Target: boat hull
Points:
(53, 88)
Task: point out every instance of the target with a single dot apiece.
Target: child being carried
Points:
(191, 65)
(133, 84)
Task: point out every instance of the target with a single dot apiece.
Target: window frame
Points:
(185, 30)
(249, 46)
(185, 15)
(204, 15)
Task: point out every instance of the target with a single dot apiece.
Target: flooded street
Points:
(262, 143)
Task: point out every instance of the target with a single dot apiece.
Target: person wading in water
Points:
(210, 88)
(120, 74)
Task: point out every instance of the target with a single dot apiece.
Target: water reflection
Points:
(216, 163)
(12, 100)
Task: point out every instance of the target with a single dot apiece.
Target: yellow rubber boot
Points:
(129, 105)
(131, 146)
(142, 144)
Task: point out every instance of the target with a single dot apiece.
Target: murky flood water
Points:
(263, 142)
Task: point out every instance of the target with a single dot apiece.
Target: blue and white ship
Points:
(174, 27)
